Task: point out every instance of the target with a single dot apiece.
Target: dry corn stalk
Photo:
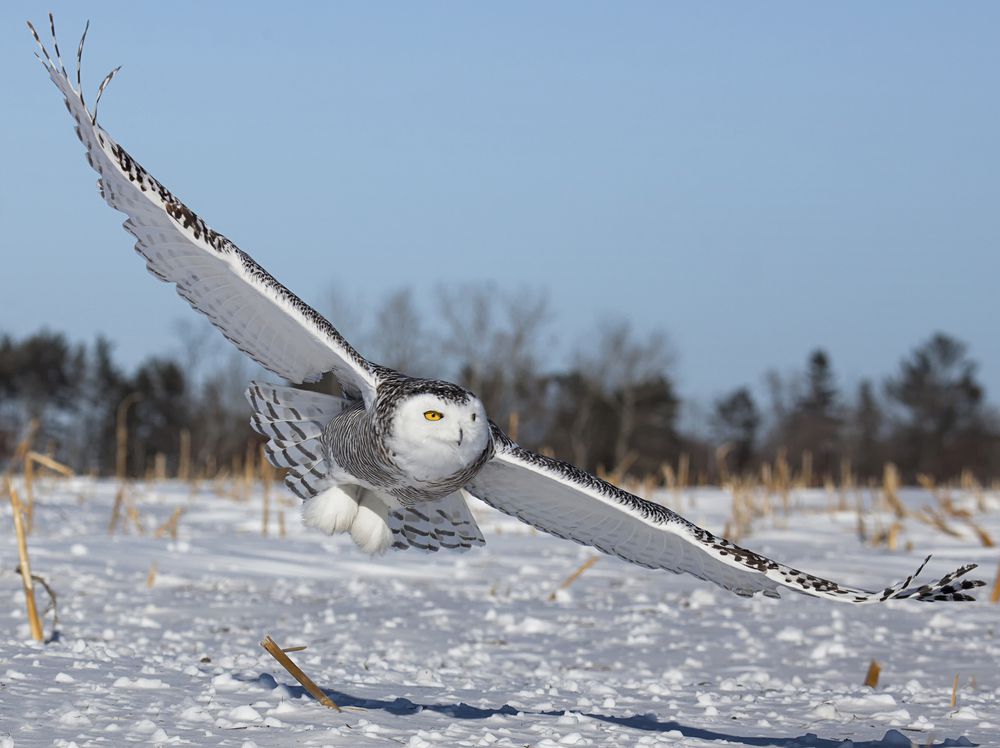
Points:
(669, 477)
(891, 536)
(954, 692)
(984, 537)
(806, 474)
(783, 479)
(932, 518)
(23, 447)
(121, 432)
(29, 489)
(116, 509)
(133, 514)
(721, 462)
(184, 461)
(995, 596)
(285, 661)
(48, 462)
(890, 489)
(874, 670)
(160, 467)
(249, 471)
(618, 474)
(683, 470)
(513, 421)
(170, 526)
(25, 565)
(846, 482)
(575, 575)
(151, 576)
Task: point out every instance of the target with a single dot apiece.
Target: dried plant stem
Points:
(121, 432)
(170, 526)
(575, 575)
(184, 461)
(29, 489)
(23, 447)
(133, 514)
(285, 661)
(22, 551)
(995, 597)
(890, 487)
(53, 465)
(874, 670)
(117, 509)
(984, 537)
(513, 422)
(151, 577)
(160, 467)
(249, 471)
(954, 692)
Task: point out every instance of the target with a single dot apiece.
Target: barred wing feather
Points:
(562, 500)
(429, 526)
(259, 315)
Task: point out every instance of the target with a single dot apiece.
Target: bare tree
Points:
(620, 365)
(399, 340)
(493, 341)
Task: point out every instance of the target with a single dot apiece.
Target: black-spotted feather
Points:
(259, 315)
(563, 500)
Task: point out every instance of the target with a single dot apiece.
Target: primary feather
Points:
(259, 315)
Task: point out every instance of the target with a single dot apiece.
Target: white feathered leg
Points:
(332, 510)
(371, 524)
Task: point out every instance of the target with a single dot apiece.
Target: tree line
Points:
(611, 405)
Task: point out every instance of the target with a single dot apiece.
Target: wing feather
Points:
(563, 500)
(259, 315)
(429, 526)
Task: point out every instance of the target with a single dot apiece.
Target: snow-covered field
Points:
(467, 650)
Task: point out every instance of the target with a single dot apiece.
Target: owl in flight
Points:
(393, 460)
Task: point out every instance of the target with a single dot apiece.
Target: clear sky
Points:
(756, 179)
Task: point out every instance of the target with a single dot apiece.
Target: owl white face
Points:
(433, 438)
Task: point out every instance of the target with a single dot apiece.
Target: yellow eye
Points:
(433, 415)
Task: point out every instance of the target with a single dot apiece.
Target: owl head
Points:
(436, 430)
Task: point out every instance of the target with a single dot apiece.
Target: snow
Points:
(468, 650)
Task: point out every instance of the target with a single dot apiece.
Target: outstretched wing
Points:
(259, 315)
(565, 501)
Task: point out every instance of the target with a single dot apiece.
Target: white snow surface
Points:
(467, 650)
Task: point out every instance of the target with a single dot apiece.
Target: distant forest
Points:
(614, 407)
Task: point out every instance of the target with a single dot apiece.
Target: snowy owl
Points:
(393, 461)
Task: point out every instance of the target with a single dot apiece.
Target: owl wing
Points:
(563, 500)
(431, 525)
(257, 313)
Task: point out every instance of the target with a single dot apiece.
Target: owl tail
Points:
(293, 422)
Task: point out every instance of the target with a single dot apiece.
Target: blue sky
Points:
(754, 179)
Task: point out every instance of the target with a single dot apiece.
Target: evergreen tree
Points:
(941, 424)
(867, 447)
(814, 424)
(735, 421)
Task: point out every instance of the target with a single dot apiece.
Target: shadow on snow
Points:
(648, 723)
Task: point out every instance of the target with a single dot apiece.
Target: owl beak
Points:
(460, 436)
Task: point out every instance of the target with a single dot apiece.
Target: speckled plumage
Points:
(365, 462)
(356, 441)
